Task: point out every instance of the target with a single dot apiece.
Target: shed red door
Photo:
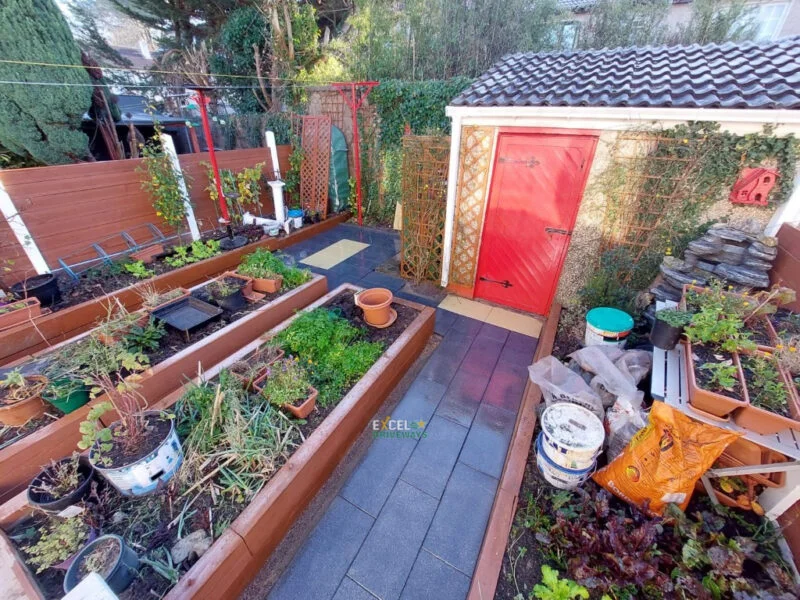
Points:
(536, 187)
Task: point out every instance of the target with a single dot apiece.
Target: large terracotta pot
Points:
(376, 304)
(19, 413)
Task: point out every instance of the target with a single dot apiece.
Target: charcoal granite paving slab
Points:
(327, 553)
(519, 349)
(456, 534)
(447, 358)
(433, 579)
(371, 483)
(482, 355)
(433, 459)
(444, 320)
(493, 332)
(463, 396)
(507, 385)
(350, 590)
(388, 554)
(420, 401)
(487, 442)
(376, 279)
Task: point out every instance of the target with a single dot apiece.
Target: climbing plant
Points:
(658, 186)
(161, 182)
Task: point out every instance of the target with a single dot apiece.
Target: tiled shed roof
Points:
(747, 75)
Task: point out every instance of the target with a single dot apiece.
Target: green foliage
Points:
(332, 351)
(420, 104)
(765, 384)
(92, 430)
(233, 54)
(196, 251)
(161, 183)
(718, 320)
(722, 375)
(138, 269)
(37, 123)
(674, 317)
(717, 22)
(58, 540)
(622, 23)
(607, 286)
(553, 588)
(292, 177)
(145, 339)
(287, 383)
(264, 264)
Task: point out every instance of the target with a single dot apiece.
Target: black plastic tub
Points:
(43, 287)
(187, 314)
(50, 505)
(118, 577)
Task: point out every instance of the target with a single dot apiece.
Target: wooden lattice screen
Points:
(424, 171)
(314, 172)
(651, 177)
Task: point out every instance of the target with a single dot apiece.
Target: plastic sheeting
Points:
(339, 174)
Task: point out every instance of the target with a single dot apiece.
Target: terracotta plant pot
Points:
(148, 255)
(259, 378)
(767, 422)
(184, 294)
(267, 286)
(248, 281)
(743, 452)
(304, 409)
(376, 304)
(713, 403)
(30, 308)
(19, 413)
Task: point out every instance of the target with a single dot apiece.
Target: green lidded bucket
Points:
(605, 325)
(66, 395)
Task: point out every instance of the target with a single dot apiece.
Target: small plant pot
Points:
(48, 504)
(767, 422)
(233, 303)
(145, 474)
(713, 403)
(43, 287)
(66, 395)
(267, 286)
(148, 255)
(301, 411)
(30, 308)
(376, 304)
(665, 336)
(184, 294)
(19, 413)
(261, 376)
(119, 576)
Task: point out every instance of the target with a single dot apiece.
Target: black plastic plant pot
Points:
(49, 504)
(43, 287)
(121, 574)
(665, 336)
(232, 303)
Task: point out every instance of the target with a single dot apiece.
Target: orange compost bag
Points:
(664, 460)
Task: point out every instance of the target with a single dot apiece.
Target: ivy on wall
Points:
(656, 199)
(421, 104)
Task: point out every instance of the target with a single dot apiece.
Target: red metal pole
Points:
(356, 149)
(223, 206)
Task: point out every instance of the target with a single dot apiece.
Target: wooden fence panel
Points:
(68, 207)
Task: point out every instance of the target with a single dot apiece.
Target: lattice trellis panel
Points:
(314, 172)
(424, 171)
(473, 180)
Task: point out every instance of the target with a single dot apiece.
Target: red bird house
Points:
(754, 186)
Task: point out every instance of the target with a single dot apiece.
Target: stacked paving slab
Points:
(741, 257)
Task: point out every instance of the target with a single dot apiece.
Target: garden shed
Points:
(556, 158)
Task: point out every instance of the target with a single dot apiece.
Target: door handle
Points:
(505, 283)
(558, 231)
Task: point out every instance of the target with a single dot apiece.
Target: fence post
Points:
(169, 148)
(452, 187)
(21, 232)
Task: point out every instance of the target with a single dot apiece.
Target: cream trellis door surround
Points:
(473, 180)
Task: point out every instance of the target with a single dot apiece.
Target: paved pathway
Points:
(410, 521)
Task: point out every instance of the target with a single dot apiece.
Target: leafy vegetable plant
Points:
(722, 374)
(553, 588)
(264, 264)
(674, 317)
(287, 383)
(764, 384)
(138, 269)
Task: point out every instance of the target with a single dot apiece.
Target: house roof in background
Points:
(748, 75)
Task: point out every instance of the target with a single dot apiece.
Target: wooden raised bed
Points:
(32, 336)
(239, 553)
(20, 461)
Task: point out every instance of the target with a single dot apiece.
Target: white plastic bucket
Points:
(556, 475)
(143, 476)
(297, 222)
(572, 436)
